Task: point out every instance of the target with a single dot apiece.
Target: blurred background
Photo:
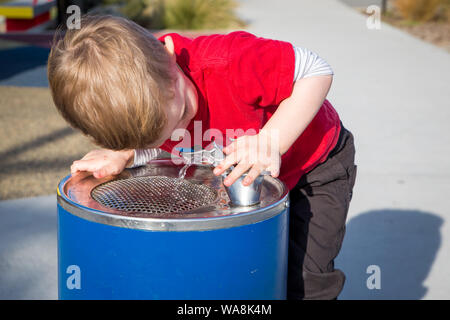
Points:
(391, 89)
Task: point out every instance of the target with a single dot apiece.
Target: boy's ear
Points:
(168, 43)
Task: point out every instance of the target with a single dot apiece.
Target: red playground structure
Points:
(27, 15)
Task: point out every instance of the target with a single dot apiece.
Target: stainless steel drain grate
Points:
(153, 195)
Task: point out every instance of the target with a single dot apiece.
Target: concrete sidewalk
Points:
(28, 256)
(392, 91)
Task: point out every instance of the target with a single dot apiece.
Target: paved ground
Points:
(392, 93)
(37, 146)
(363, 3)
(28, 257)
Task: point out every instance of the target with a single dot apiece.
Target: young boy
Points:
(130, 93)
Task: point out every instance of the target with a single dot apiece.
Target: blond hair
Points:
(111, 79)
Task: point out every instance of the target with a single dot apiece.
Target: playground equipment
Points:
(27, 15)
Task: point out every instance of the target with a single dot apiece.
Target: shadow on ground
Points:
(403, 243)
(37, 147)
(36, 143)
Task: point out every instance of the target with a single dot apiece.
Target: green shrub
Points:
(200, 14)
(180, 14)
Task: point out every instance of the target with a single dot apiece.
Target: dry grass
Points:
(435, 30)
(418, 10)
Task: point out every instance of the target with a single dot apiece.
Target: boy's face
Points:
(181, 109)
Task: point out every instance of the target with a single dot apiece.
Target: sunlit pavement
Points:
(28, 257)
(391, 91)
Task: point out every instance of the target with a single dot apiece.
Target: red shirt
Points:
(241, 79)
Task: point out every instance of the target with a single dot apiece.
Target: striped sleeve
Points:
(143, 156)
(309, 64)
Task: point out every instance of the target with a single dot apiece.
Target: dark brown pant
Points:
(319, 206)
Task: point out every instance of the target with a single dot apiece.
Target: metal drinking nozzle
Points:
(212, 155)
(239, 194)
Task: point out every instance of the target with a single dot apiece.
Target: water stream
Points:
(183, 170)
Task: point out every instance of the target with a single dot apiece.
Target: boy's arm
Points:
(302, 106)
(142, 156)
(296, 112)
(103, 162)
(288, 122)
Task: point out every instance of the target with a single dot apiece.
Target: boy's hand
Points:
(253, 154)
(262, 151)
(103, 162)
